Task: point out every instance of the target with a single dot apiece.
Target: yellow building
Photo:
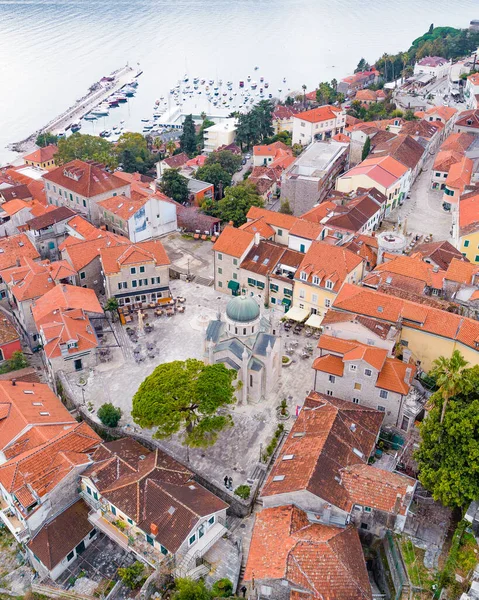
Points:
(467, 229)
(43, 158)
(319, 278)
(425, 331)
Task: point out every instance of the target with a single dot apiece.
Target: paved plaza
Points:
(180, 337)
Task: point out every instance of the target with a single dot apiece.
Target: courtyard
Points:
(179, 337)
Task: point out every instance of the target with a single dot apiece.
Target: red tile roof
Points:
(65, 297)
(458, 142)
(58, 537)
(152, 488)
(271, 217)
(326, 562)
(42, 154)
(460, 174)
(84, 178)
(329, 436)
(259, 226)
(316, 115)
(233, 242)
(113, 258)
(360, 300)
(15, 247)
(65, 326)
(461, 271)
(468, 118)
(469, 212)
(81, 253)
(327, 262)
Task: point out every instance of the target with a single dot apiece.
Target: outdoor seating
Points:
(128, 319)
(159, 312)
(170, 312)
(181, 309)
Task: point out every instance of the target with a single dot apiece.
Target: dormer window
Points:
(329, 285)
(303, 276)
(315, 280)
(72, 344)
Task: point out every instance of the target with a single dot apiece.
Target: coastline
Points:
(95, 95)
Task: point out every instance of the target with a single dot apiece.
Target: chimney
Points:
(326, 516)
(103, 227)
(14, 382)
(154, 529)
(407, 376)
(435, 269)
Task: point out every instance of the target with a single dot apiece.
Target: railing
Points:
(191, 559)
(95, 504)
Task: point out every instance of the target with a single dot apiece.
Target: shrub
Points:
(243, 491)
(109, 415)
(131, 576)
(223, 588)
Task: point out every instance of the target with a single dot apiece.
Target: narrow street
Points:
(423, 210)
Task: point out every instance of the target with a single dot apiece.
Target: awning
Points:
(297, 314)
(314, 321)
(233, 285)
(286, 302)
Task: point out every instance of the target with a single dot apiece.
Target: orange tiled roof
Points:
(469, 212)
(317, 213)
(259, 226)
(271, 149)
(123, 207)
(113, 258)
(83, 228)
(19, 412)
(64, 297)
(461, 271)
(42, 154)
(324, 561)
(271, 217)
(458, 142)
(389, 164)
(340, 137)
(445, 112)
(415, 268)
(81, 253)
(393, 376)
(329, 364)
(84, 178)
(445, 159)
(353, 350)
(376, 488)
(14, 206)
(327, 262)
(233, 242)
(366, 96)
(315, 115)
(329, 436)
(64, 326)
(14, 247)
(460, 174)
(42, 468)
(360, 300)
(306, 229)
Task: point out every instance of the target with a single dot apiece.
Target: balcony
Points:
(12, 522)
(128, 538)
(90, 500)
(188, 562)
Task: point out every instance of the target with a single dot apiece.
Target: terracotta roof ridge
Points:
(305, 575)
(351, 574)
(189, 509)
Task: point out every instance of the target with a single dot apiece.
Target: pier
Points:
(97, 93)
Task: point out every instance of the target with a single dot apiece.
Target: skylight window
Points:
(288, 457)
(278, 478)
(44, 414)
(28, 392)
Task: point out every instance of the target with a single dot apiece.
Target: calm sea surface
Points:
(52, 51)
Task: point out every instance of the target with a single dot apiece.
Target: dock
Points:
(97, 93)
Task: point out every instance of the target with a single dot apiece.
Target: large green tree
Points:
(174, 185)
(228, 161)
(185, 397)
(216, 175)
(45, 139)
(448, 373)
(235, 204)
(133, 154)
(201, 134)
(256, 125)
(188, 137)
(187, 589)
(448, 454)
(86, 147)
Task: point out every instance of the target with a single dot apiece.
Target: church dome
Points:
(242, 309)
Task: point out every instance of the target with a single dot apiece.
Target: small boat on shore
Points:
(90, 117)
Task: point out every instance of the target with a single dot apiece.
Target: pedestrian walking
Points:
(243, 591)
(226, 481)
(230, 483)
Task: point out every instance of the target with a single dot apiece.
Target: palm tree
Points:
(170, 147)
(304, 94)
(448, 375)
(404, 60)
(385, 58)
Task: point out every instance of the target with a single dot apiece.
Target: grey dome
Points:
(242, 309)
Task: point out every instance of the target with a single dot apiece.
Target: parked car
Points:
(244, 161)
(248, 156)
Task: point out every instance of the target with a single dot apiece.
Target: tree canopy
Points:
(228, 161)
(45, 139)
(187, 589)
(86, 147)
(256, 125)
(109, 415)
(366, 148)
(200, 137)
(185, 397)
(133, 153)
(174, 185)
(188, 137)
(235, 204)
(448, 455)
(215, 174)
(327, 93)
